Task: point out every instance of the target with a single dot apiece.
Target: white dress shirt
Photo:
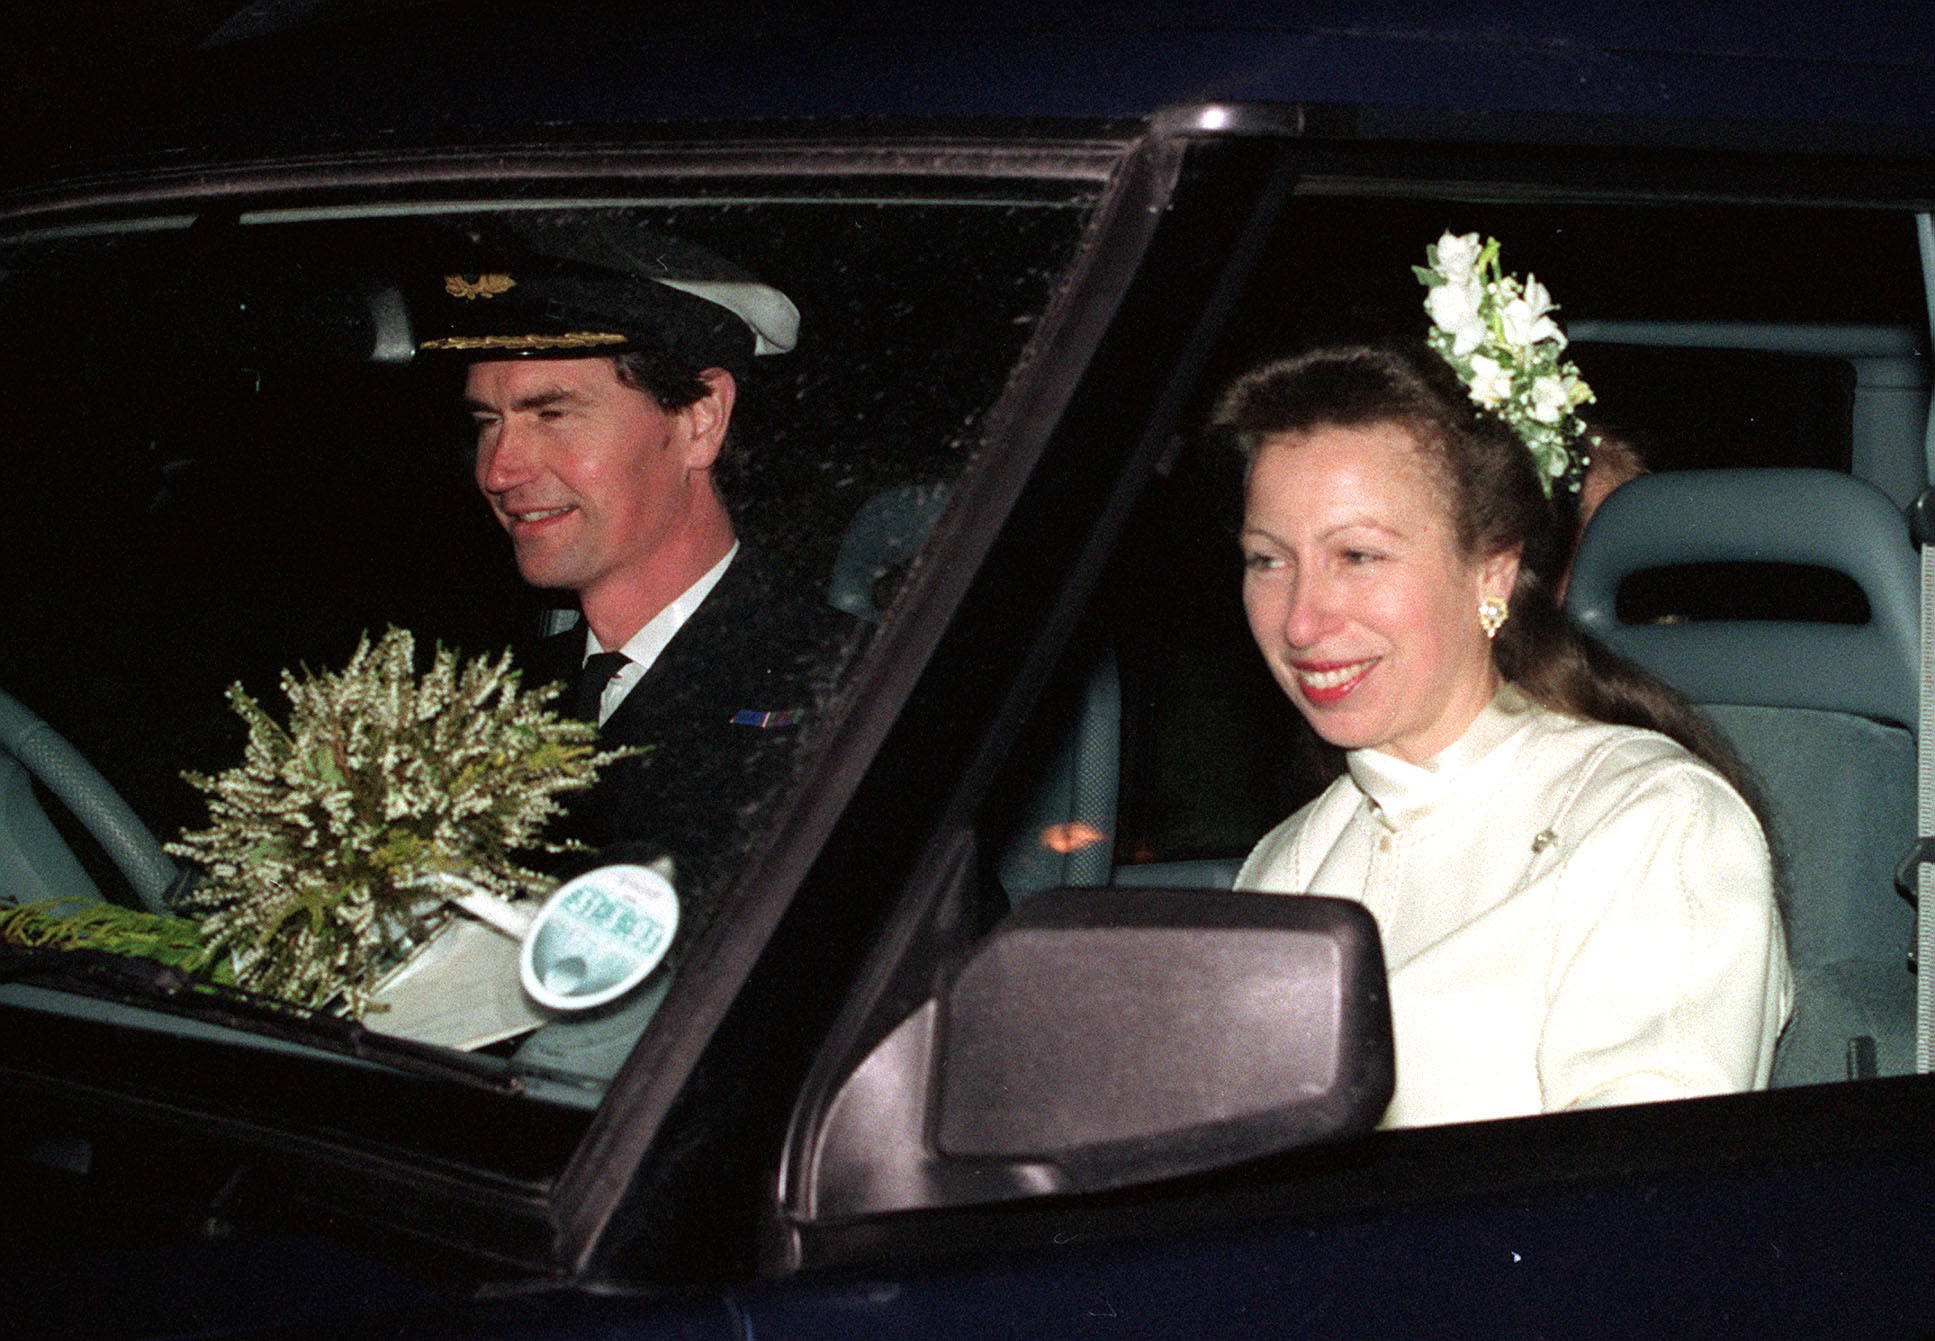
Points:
(643, 647)
(1573, 914)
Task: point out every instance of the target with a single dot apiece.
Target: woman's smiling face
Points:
(1358, 593)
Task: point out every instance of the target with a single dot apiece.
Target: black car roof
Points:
(432, 69)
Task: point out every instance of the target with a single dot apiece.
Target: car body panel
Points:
(680, 1214)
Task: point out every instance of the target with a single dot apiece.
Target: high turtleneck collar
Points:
(1402, 793)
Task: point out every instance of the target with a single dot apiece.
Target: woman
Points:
(1576, 903)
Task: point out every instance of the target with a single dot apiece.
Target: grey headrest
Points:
(886, 532)
(1816, 517)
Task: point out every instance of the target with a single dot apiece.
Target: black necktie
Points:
(596, 673)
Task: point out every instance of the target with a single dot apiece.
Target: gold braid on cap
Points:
(570, 340)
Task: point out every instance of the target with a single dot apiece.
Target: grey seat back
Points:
(1824, 714)
(1066, 836)
(1066, 833)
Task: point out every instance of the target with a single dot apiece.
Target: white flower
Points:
(1457, 308)
(1457, 256)
(378, 774)
(1499, 337)
(1525, 318)
(1491, 383)
(1551, 398)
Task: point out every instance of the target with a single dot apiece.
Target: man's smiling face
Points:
(590, 476)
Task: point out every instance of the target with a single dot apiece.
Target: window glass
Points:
(1341, 268)
(1694, 353)
(232, 462)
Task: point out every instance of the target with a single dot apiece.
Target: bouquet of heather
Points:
(327, 844)
(1499, 335)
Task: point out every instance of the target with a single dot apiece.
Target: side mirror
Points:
(1098, 1039)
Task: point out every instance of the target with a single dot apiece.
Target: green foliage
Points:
(324, 843)
(64, 924)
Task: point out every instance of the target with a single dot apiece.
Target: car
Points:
(973, 1043)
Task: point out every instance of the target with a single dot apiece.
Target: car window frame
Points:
(552, 1225)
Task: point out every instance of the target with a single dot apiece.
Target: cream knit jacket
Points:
(1573, 914)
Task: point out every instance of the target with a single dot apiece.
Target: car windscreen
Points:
(258, 587)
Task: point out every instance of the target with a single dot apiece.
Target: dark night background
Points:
(58, 55)
(72, 52)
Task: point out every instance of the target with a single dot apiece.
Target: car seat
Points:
(1824, 714)
(1063, 835)
(1059, 839)
(883, 537)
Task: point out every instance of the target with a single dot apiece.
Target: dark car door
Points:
(1796, 1205)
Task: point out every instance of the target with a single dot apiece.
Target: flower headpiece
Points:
(1499, 336)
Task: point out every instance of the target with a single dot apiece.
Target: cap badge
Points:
(484, 286)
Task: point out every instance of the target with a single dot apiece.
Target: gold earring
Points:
(1491, 615)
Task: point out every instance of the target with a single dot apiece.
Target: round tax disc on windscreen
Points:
(598, 937)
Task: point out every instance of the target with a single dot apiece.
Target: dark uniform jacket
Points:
(720, 712)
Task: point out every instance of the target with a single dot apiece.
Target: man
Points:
(603, 400)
